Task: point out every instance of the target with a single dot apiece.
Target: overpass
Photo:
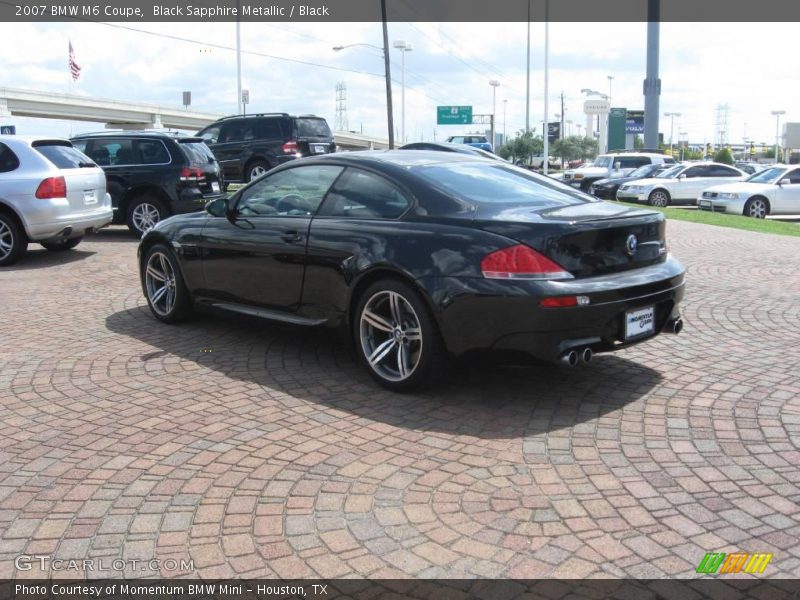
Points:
(118, 114)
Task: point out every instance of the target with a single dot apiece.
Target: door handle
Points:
(292, 237)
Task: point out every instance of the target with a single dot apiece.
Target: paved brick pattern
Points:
(257, 449)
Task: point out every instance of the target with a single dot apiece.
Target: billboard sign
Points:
(634, 122)
(553, 131)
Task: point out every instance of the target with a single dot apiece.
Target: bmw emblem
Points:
(631, 244)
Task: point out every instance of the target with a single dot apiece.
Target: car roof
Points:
(28, 140)
(132, 133)
(400, 158)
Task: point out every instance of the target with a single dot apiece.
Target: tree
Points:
(724, 155)
(522, 147)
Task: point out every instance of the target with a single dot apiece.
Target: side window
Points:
(269, 129)
(632, 162)
(719, 171)
(696, 172)
(80, 145)
(236, 131)
(211, 134)
(8, 160)
(112, 152)
(152, 152)
(793, 176)
(359, 194)
(294, 192)
(668, 160)
(458, 139)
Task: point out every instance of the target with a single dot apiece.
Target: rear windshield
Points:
(495, 183)
(313, 128)
(197, 152)
(62, 154)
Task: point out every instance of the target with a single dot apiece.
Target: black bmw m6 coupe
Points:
(422, 256)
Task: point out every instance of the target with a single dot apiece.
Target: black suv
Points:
(248, 146)
(152, 175)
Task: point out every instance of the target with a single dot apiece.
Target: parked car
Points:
(422, 256)
(681, 184)
(612, 165)
(250, 145)
(773, 191)
(152, 175)
(50, 193)
(750, 167)
(607, 188)
(478, 141)
(448, 147)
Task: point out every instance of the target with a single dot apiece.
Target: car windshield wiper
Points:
(84, 165)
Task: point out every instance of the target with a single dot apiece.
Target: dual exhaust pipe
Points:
(573, 357)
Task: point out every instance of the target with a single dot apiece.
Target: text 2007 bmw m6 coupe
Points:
(423, 256)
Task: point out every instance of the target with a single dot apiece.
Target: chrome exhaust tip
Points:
(676, 326)
(570, 358)
(586, 355)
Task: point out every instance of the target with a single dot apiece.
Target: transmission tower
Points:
(722, 126)
(341, 107)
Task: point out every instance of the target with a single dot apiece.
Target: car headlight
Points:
(728, 196)
(635, 188)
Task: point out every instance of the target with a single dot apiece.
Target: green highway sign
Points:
(453, 115)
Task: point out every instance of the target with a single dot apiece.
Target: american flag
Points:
(73, 66)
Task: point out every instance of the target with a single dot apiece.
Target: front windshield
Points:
(643, 171)
(602, 161)
(770, 175)
(671, 172)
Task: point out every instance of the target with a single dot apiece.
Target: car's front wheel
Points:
(658, 198)
(758, 208)
(144, 212)
(166, 293)
(61, 245)
(13, 242)
(397, 338)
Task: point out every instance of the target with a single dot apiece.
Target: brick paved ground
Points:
(263, 450)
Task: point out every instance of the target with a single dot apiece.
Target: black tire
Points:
(585, 185)
(659, 198)
(62, 245)
(13, 241)
(166, 273)
(256, 169)
(426, 355)
(143, 212)
(756, 207)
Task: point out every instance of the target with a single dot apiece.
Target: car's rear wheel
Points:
(757, 207)
(13, 242)
(397, 338)
(144, 212)
(166, 293)
(60, 245)
(659, 198)
(256, 169)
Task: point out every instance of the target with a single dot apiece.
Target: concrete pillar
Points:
(652, 85)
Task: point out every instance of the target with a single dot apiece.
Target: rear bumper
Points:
(482, 314)
(60, 217)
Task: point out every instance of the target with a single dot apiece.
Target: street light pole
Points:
(505, 103)
(546, 158)
(239, 61)
(495, 84)
(777, 114)
(671, 116)
(404, 47)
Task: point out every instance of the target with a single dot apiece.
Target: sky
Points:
(291, 67)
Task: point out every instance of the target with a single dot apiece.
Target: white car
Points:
(773, 191)
(617, 164)
(50, 193)
(681, 184)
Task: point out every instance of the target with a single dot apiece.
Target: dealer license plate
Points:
(639, 322)
(89, 197)
(215, 187)
(318, 148)
(704, 203)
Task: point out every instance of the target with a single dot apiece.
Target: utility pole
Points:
(528, 76)
(652, 84)
(388, 72)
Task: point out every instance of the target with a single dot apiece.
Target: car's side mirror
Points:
(218, 207)
(617, 166)
(785, 181)
(681, 176)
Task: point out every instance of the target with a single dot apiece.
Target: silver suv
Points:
(50, 193)
(617, 164)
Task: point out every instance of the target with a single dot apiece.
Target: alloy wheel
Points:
(160, 282)
(145, 216)
(757, 208)
(659, 198)
(391, 336)
(6, 240)
(257, 171)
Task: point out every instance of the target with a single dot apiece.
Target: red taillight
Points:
(521, 262)
(192, 174)
(52, 187)
(290, 147)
